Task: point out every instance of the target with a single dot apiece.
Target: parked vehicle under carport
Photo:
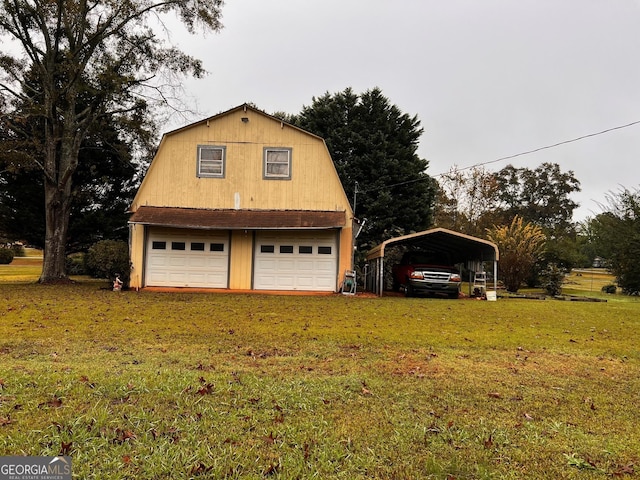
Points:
(434, 280)
(422, 273)
(457, 248)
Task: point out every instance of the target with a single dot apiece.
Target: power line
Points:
(509, 157)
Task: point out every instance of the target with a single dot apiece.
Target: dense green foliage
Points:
(103, 183)
(473, 200)
(615, 235)
(6, 255)
(552, 278)
(109, 258)
(540, 196)
(373, 146)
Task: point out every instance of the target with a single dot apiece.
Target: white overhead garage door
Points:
(296, 260)
(187, 258)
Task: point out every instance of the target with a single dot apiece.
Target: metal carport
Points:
(460, 248)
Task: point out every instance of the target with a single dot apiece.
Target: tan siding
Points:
(136, 250)
(346, 251)
(171, 180)
(242, 260)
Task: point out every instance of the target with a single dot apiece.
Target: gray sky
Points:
(487, 79)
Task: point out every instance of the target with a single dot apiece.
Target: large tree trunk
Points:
(62, 146)
(57, 207)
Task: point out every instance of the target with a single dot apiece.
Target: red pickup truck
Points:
(419, 273)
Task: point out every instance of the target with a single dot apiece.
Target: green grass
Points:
(23, 269)
(158, 385)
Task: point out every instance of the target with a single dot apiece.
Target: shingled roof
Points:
(237, 219)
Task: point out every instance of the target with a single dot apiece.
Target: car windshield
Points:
(417, 258)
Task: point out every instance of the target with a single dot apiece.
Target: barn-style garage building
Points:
(241, 200)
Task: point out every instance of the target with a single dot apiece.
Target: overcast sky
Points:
(487, 79)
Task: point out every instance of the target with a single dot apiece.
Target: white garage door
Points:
(187, 259)
(293, 260)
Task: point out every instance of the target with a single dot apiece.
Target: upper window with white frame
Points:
(277, 163)
(211, 161)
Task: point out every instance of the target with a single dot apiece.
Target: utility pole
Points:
(355, 195)
(353, 233)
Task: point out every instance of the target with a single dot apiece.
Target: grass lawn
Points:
(171, 386)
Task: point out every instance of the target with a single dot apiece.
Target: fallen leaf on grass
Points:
(494, 395)
(305, 449)
(173, 434)
(365, 390)
(65, 448)
(84, 379)
(624, 470)
(5, 421)
(54, 402)
(589, 402)
(200, 469)
(270, 470)
(206, 389)
(123, 435)
(204, 368)
(488, 443)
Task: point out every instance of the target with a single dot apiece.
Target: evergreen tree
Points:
(373, 145)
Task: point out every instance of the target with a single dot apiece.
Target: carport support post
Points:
(495, 277)
(381, 276)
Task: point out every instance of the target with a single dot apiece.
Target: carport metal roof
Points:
(459, 248)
